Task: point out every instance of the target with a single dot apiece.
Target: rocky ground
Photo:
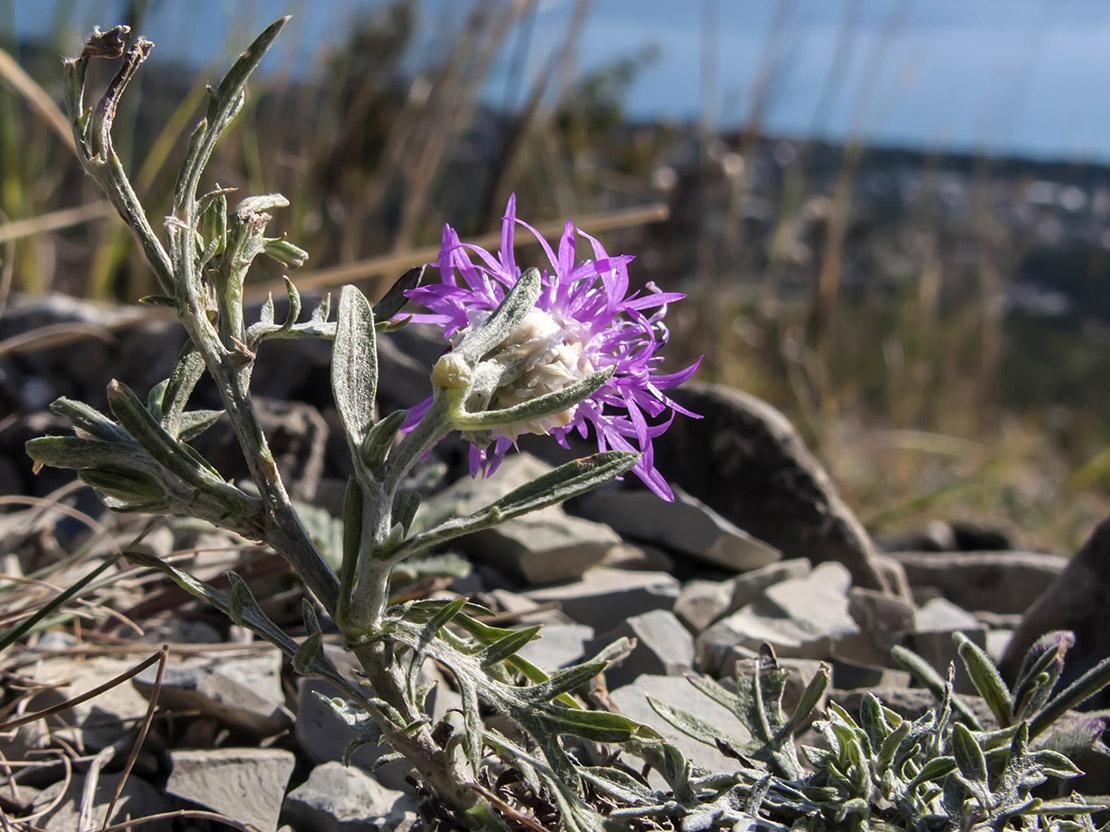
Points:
(757, 548)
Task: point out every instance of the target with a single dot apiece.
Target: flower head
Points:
(583, 322)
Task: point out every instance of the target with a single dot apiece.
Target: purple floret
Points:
(616, 329)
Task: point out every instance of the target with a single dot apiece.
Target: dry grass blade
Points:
(195, 814)
(390, 263)
(84, 697)
(508, 810)
(13, 76)
(163, 658)
(53, 335)
(88, 788)
(54, 221)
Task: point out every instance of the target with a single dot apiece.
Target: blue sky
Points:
(1012, 76)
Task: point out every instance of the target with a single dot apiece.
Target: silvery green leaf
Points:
(179, 387)
(1040, 670)
(224, 103)
(322, 310)
(1072, 696)
(308, 652)
(565, 681)
(354, 367)
(935, 769)
(986, 679)
(1068, 807)
(148, 432)
(508, 646)
(405, 505)
(716, 692)
(195, 422)
(891, 745)
(352, 539)
(538, 408)
(472, 724)
(379, 439)
(308, 615)
(77, 453)
(808, 701)
(129, 490)
(873, 721)
(394, 299)
(282, 251)
(266, 313)
(620, 785)
(598, 726)
(154, 399)
(1055, 764)
(968, 754)
(386, 759)
(561, 484)
(689, 724)
(159, 300)
(254, 205)
(442, 618)
(504, 319)
(89, 420)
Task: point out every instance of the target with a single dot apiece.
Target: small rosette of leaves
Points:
(142, 460)
(941, 771)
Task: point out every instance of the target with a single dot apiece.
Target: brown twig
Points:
(77, 700)
(164, 655)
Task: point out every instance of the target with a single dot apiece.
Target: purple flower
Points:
(584, 321)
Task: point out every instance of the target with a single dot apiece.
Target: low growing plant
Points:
(566, 349)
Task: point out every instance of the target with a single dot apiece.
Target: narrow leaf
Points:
(379, 439)
(507, 646)
(394, 299)
(987, 680)
(504, 319)
(354, 366)
(969, 756)
(195, 422)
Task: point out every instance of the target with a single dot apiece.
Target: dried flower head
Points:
(584, 321)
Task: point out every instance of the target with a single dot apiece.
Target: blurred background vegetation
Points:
(935, 319)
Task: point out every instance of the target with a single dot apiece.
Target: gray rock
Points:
(848, 676)
(138, 800)
(529, 611)
(802, 618)
(687, 525)
(1079, 601)
(558, 645)
(632, 700)
(937, 620)
(941, 615)
(750, 586)
(340, 799)
(700, 603)
(604, 597)
(663, 647)
(746, 461)
(642, 558)
(883, 619)
(244, 693)
(1003, 582)
(246, 784)
(542, 547)
(95, 723)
